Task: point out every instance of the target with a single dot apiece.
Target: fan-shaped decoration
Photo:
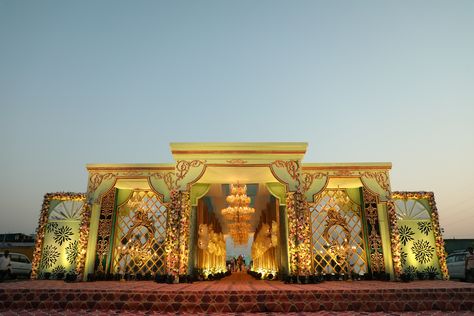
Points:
(411, 209)
(67, 210)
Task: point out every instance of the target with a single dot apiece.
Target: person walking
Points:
(5, 264)
(469, 265)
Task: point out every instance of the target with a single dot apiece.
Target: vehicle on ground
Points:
(20, 265)
(456, 264)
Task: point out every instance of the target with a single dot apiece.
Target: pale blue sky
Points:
(116, 81)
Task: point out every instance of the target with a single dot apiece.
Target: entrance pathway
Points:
(238, 293)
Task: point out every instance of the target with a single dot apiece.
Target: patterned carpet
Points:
(238, 293)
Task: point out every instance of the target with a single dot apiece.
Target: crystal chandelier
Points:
(239, 231)
(238, 213)
(238, 201)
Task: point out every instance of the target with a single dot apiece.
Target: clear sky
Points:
(116, 81)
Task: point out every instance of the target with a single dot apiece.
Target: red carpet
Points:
(237, 293)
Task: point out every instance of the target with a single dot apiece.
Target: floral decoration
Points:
(49, 256)
(423, 251)
(72, 251)
(424, 227)
(406, 234)
(62, 234)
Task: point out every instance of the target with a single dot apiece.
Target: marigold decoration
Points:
(394, 239)
(299, 232)
(83, 240)
(172, 243)
(184, 232)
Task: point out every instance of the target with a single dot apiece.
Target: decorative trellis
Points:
(140, 236)
(337, 234)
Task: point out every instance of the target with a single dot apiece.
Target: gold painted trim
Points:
(349, 167)
(210, 152)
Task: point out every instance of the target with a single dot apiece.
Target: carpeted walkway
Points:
(238, 293)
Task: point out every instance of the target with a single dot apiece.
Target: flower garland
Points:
(299, 233)
(292, 232)
(303, 234)
(43, 220)
(184, 232)
(172, 244)
(394, 239)
(83, 240)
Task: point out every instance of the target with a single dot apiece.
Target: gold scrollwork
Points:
(380, 177)
(292, 168)
(309, 177)
(167, 177)
(96, 179)
(183, 167)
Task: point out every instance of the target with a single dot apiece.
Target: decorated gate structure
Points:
(141, 219)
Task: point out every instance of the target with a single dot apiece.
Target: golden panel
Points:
(140, 236)
(337, 242)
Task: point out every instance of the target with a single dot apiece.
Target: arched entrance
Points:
(213, 244)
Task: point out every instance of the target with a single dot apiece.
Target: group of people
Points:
(237, 264)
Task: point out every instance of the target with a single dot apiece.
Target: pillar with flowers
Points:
(288, 172)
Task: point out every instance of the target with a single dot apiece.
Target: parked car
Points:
(456, 265)
(20, 265)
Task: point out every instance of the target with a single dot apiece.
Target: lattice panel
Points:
(143, 233)
(105, 230)
(337, 234)
(375, 241)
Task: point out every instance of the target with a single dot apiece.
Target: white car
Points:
(456, 265)
(20, 265)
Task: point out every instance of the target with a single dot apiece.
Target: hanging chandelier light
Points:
(238, 213)
(238, 209)
(239, 231)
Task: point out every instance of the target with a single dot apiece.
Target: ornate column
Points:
(394, 239)
(177, 247)
(288, 172)
(83, 239)
(299, 234)
(375, 249)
